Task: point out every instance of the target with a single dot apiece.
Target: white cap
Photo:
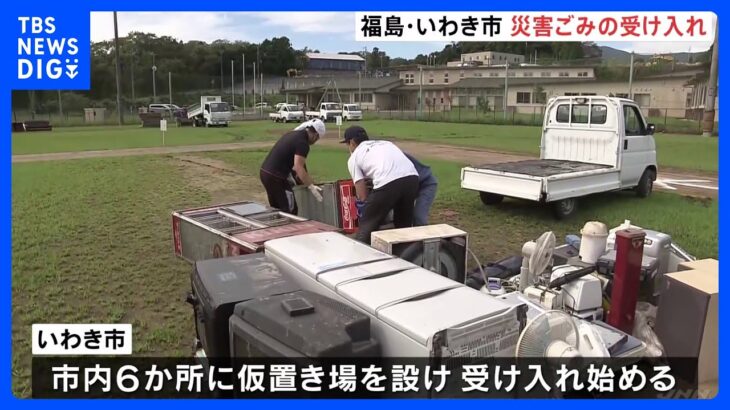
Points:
(316, 123)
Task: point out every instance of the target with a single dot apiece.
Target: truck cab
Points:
(351, 112)
(588, 145)
(212, 111)
(326, 111)
(286, 113)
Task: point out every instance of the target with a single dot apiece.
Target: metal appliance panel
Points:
(334, 279)
(373, 294)
(421, 319)
(320, 252)
(259, 236)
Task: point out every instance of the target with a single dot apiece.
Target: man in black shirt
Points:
(287, 155)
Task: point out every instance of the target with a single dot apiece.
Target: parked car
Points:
(351, 112)
(286, 113)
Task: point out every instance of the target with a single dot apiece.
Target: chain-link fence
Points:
(665, 119)
(669, 120)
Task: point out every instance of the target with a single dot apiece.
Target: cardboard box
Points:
(687, 320)
(705, 265)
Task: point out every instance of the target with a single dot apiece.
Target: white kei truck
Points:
(326, 111)
(286, 113)
(211, 111)
(589, 144)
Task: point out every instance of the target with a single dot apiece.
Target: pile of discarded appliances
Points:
(269, 284)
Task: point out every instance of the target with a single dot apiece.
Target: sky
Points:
(325, 31)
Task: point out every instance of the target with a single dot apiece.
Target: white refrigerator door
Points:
(321, 252)
(422, 318)
(336, 278)
(377, 293)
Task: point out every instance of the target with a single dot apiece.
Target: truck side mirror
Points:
(650, 128)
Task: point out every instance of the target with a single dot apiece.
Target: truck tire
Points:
(646, 183)
(564, 208)
(489, 198)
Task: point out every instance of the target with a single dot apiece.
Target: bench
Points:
(31, 126)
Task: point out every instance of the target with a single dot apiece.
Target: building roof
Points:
(333, 56)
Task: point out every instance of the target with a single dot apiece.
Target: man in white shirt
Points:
(395, 181)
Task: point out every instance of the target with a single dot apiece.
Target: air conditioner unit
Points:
(413, 312)
(439, 248)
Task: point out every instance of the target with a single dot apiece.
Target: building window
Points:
(571, 94)
(446, 80)
(643, 100)
(583, 74)
(430, 80)
(493, 74)
(588, 94)
(523, 98)
(540, 98)
(410, 79)
(442, 100)
(546, 74)
(580, 114)
(622, 95)
(527, 74)
(477, 74)
(563, 74)
(366, 98)
(511, 73)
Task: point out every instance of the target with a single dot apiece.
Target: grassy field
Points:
(87, 138)
(92, 244)
(92, 241)
(501, 230)
(676, 151)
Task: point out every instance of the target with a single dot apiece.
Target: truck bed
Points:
(542, 167)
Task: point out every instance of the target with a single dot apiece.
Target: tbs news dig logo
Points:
(43, 55)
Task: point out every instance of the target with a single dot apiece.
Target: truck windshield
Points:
(292, 107)
(331, 107)
(219, 107)
(352, 107)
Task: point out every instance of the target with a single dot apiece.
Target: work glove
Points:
(360, 205)
(316, 191)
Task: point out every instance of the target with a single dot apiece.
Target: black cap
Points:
(356, 133)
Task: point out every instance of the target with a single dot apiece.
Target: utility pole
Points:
(261, 108)
(631, 77)
(221, 81)
(359, 88)
(506, 87)
(134, 100)
(420, 94)
(254, 85)
(169, 85)
(154, 85)
(243, 74)
(60, 104)
(118, 64)
(233, 89)
(708, 119)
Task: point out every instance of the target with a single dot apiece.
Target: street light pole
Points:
(154, 85)
(118, 70)
(420, 94)
(233, 89)
(243, 74)
(504, 100)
